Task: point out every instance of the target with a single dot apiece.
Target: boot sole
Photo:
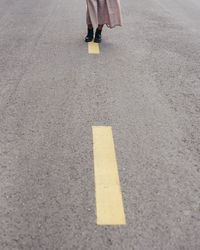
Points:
(97, 41)
(88, 41)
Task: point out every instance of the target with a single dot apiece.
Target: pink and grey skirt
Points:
(103, 12)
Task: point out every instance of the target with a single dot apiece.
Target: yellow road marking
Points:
(109, 204)
(93, 48)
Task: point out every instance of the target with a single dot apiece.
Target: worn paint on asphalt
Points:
(93, 48)
(109, 204)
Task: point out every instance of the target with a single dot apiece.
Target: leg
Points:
(97, 38)
(100, 26)
(90, 34)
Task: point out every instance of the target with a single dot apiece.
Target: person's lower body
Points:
(100, 12)
(96, 18)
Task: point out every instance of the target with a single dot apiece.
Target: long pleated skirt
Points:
(103, 12)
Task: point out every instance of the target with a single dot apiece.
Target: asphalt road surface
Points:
(145, 84)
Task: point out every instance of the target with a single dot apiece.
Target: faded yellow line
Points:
(93, 48)
(109, 204)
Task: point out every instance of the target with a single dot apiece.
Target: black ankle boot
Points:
(97, 38)
(89, 36)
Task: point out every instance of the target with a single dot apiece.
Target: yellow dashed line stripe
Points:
(109, 204)
(93, 48)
